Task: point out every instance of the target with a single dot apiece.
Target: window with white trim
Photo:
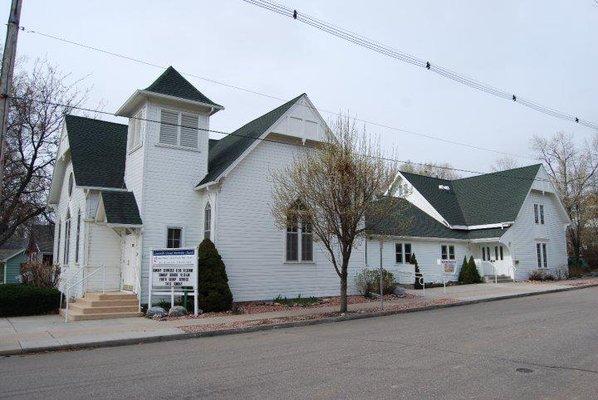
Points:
(78, 238)
(135, 131)
(58, 245)
(403, 253)
(536, 214)
(174, 238)
(541, 214)
(71, 183)
(67, 238)
(299, 240)
(447, 252)
(483, 254)
(2, 273)
(541, 255)
(179, 129)
(207, 221)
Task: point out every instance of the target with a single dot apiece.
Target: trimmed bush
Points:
(368, 282)
(469, 272)
(17, 300)
(418, 275)
(539, 275)
(214, 292)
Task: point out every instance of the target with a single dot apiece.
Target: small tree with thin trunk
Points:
(332, 184)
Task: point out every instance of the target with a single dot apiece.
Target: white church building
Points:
(119, 191)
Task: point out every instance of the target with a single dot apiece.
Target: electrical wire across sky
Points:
(370, 44)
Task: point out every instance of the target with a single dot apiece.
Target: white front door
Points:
(130, 263)
(497, 260)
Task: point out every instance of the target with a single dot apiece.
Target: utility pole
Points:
(8, 64)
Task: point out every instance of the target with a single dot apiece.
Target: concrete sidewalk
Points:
(50, 332)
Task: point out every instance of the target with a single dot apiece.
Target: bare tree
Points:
(504, 163)
(435, 170)
(331, 186)
(39, 98)
(573, 172)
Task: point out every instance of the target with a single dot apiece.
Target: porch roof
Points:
(121, 208)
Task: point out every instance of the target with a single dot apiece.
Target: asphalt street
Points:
(540, 347)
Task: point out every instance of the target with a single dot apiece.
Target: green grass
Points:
(297, 301)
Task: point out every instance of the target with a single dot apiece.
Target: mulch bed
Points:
(399, 304)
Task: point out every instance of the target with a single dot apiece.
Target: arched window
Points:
(78, 237)
(207, 222)
(67, 237)
(299, 236)
(70, 184)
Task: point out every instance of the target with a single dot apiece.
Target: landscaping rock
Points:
(177, 311)
(155, 312)
(400, 292)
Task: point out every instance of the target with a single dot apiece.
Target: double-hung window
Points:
(179, 129)
(447, 252)
(299, 240)
(174, 238)
(403, 253)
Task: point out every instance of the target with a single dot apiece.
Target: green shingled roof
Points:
(478, 200)
(410, 221)
(229, 148)
(121, 208)
(171, 83)
(98, 151)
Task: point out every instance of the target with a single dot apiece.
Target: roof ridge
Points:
(93, 119)
(172, 83)
(499, 172)
(427, 176)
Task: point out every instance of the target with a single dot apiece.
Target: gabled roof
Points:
(98, 151)
(495, 197)
(230, 147)
(172, 83)
(478, 200)
(7, 254)
(408, 220)
(121, 208)
(42, 236)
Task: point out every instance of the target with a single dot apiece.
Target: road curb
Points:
(283, 325)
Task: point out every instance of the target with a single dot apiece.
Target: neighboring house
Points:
(30, 243)
(119, 191)
(512, 222)
(10, 264)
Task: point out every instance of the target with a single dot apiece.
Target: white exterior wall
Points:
(169, 198)
(135, 160)
(525, 233)
(427, 252)
(253, 248)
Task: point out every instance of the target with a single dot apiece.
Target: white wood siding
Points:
(252, 247)
(525, 233)
(427, 252)
(169, 178)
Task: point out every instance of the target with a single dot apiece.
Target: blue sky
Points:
(543, 50)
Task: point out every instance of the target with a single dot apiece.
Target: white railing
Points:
(98, 279)
(82, 283)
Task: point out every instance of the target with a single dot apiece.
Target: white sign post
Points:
(170, 271)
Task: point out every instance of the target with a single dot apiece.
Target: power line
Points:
(263, 139)
(379, 125)
(362, 41)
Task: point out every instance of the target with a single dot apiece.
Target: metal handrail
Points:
(95, 271)
(70, 279)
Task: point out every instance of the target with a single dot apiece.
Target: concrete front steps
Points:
(103, 306)
(499, 279)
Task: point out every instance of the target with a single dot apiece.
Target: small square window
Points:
(174, 238)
